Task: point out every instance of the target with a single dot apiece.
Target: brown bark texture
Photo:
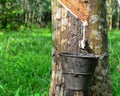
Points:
(67, 33)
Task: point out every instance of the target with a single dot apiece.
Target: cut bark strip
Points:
(77, 8)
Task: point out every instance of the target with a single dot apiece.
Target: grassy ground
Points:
(114, 60)
(25, 59)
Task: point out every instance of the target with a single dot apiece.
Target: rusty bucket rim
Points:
(80, 55)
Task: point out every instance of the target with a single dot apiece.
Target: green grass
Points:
(25, 59)
(114, 60)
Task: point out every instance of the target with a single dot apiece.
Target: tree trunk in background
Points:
(66, 34)
(109, 13)
(119, 2)
(118, 17)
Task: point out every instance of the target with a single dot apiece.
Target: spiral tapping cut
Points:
(84, 29)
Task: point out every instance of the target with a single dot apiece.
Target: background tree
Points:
(109, 5)
(116, 14)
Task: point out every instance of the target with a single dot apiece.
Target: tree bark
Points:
(118, 17)
(119, 2)
(109, 13)
(67, 33)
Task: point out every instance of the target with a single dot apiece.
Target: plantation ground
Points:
(25, 59)
(114, 60)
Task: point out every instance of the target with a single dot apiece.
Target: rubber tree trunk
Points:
(67, 34)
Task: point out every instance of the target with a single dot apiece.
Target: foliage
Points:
(14, 13)
(25, 59)
(114, 45)
(8, 12)
(41, 8)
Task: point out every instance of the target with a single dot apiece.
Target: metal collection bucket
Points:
(78, 69)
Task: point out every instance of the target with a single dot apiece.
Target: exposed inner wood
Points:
(77, 7)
